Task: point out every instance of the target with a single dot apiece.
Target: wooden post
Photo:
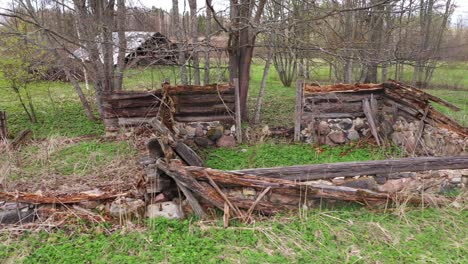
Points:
(3, 126)
(238, 112)
(298, 111)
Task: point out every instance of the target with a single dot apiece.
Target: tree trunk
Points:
(180, 43)
(258, 107)
(121, 13)
(208, 44)
(194, 29)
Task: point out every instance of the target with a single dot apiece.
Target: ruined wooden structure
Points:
(335, 114)
(182, 103)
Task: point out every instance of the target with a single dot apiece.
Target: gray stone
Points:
(126, 207)
(359, 123)
(368, 183)
(190, 131)
(199, 132)
(398, 138)
(380, 179)
(215, 133)
(346, 124)
(226, 142)
(13, 213)
(169, 210)
(337, 137)
(353, 135)
(323, 128)
(203, 142)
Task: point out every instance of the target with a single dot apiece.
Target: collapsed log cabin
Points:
(387, 112)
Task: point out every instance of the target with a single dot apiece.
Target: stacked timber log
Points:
(215, 102)
(183, 103)
(130, 107)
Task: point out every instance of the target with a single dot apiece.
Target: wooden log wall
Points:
(340, 104)
(202, 103)
(187, 103)
(3, 125)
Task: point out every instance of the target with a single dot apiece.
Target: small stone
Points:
(215, 133)
(359, 123)
(249, 192)
(169, 210)
(125, 207)
(337, 137)
(361, 183)
(380, 180)
(323, 128)
(243, 150)
(346, 124)
(353, 135)
(226, 142)
(392, 186)
(199, 131)
(203, 142)
(190, 131)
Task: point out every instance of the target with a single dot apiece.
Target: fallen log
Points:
(34, 198)
(300, 191)
(345, 169)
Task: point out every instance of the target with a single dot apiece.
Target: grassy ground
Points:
(339, 235)
(274, 155)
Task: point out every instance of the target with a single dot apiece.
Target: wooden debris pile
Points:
(272, 190)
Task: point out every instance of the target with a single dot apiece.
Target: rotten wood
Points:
(301, 189)
(370, 115)
(421, 128)
(34, 198)
(21, 138)
(298, 110)
(238, 116)
(345, 169)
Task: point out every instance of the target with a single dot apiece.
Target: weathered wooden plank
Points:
(338, 107)
(132, 112)
(143, 102)
(308, 117)
(419, 93)
(187, 154)
(132, 95)
(196, 99)
(342, 97)
(345, 169)
(298, 110)
(203, 118)
(238, 116)
(207, 109)
(370, 119)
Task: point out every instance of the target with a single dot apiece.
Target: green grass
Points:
(339, 235)
(275, 155)
(456, 97)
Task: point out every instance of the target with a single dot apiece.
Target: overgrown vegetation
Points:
(338, 235)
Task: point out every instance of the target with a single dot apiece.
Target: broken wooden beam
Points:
(34, 198)
(345, 169)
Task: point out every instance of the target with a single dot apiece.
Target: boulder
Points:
(337, 137)
(346, 124)
(353, 135)
(226, 142)
(169, 210)
(359, 123)
(323, 128)
(215, 133)
(199, 132)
